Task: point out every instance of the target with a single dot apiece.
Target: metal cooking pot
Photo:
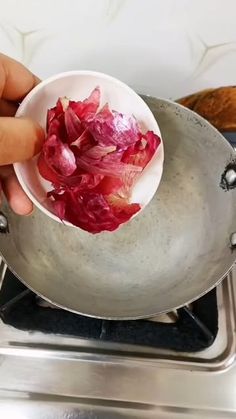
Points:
(174, 251)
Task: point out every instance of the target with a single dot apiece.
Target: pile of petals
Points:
(92, 157)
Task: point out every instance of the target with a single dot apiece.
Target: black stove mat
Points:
(194, 330)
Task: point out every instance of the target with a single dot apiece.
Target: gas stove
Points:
(55, 364)
(191, 328)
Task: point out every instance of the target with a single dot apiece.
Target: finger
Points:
(17, 199)
(20, 139)
(7, 108)
(16, 81)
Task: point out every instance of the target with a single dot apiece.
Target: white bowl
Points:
(77, 85)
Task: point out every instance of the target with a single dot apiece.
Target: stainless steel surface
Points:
(175, 250)
(49, 376)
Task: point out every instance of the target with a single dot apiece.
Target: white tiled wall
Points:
(166, 48)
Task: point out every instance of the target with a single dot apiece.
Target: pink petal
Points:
(73, 125)
(80, 181)
(105, 168)
(139, 154)
(97, 152)
(84, 142)
(142, 152)
(58, 156)
(105, 161)
(113, 128)
(50, 117)
(86, 110)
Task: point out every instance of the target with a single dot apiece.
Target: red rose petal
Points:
(109, 185)
(121, 209)
(92, 212)
(57, 111)
(60, 209)
(139, 154)
(47, 172)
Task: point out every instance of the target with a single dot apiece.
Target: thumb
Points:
(20, 139)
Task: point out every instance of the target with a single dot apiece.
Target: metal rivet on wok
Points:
(228, 178)
(4, 228)
(233, 240)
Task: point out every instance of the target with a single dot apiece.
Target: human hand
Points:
(20, 138)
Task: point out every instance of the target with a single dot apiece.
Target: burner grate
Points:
(194, 328)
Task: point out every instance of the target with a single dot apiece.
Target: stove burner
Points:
(193, 329)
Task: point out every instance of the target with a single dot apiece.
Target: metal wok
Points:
(174, 251)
